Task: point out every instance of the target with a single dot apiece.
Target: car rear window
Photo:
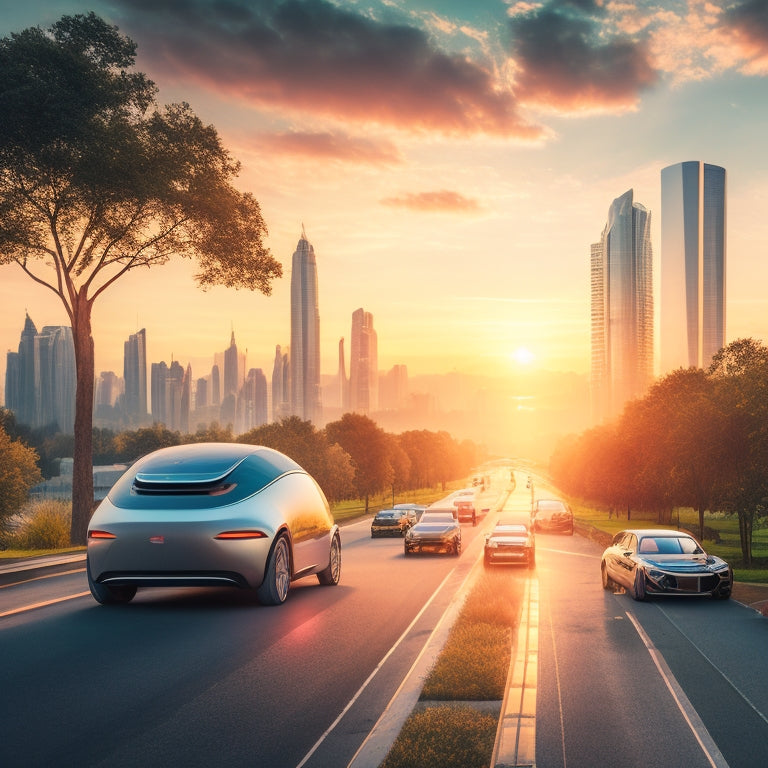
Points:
(185, 478)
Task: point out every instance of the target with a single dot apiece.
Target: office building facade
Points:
(622, 308)
(305, 334)
(135, 378)
(363, 365)
(693, 262)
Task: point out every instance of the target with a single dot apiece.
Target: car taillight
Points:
(101, 535)
(241, 535)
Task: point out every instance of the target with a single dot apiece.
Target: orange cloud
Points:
(748, 23)
(443, 200)
(311, 56)
(331, 146)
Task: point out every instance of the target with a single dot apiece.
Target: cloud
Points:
(748, 22)
(569, 59)
(443, 200)
(330, 146)
(314, 57)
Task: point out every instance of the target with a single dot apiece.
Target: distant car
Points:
(212, 515)
(552, 516)
(663, 562)
(510, 542)
(392, 522)
(417, 509)
(465, 510)
(435, 532)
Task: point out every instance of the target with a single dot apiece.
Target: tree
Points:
(369, 448)
(18, 473)
(96, 180)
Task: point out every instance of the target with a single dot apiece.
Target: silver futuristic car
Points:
(212, 514)
(663, 562)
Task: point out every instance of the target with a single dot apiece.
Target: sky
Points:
(451, 163)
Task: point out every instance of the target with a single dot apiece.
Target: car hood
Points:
(684, 563)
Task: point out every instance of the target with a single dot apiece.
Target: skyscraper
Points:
(305, 334)
(20, 376)
(622, 308)
(135, 377)
(364, 365)
(281, 385)
(693, 228)
(231, 373)
(55, 378)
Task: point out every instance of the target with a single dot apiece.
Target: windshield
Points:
(669, 545)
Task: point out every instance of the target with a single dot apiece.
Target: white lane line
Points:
(713, 665)
(373, 674)
(38, 578)
(43, 604)
(690, 715)
(573, 554)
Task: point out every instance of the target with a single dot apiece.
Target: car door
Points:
(625, 560)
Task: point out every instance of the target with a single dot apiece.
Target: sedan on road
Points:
(510, 542)
(435, 532)
(392, 522)
(212, 515)
(552, 516)
(664, 562)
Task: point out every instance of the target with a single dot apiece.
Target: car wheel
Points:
(457, 547)
(406, 551)
(474, 519)
(607, 580)
(277, 576)
(638, 585)
(107, 595)
(531, 561)
(331, 575)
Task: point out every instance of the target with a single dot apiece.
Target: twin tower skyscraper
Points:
(692, 311)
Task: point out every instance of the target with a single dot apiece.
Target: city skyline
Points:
(460, 219)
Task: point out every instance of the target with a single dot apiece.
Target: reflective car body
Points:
(212, 514)
(435, 532)
(663, 562)
(510, 542)
(392, 522)
(552, 516)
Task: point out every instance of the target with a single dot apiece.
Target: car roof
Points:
(642, 532)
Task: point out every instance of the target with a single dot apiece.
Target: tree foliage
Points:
(18, 473)
(97, 180)
(698, 439)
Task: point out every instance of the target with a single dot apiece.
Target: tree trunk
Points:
(745, 534)
(82, 472)
(701, 522)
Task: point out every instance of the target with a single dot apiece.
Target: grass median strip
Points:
(472, 667)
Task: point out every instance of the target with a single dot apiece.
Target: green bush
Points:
(45, 526)
(448, 737)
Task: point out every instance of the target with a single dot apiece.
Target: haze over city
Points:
(451, 164)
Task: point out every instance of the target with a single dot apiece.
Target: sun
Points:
(523, 355)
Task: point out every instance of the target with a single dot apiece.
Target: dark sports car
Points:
(435, 532)
(510, 542)
(664, 562)
(212, 515)
(392, 522)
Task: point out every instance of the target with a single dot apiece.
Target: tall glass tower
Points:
(692, 264)
(622, 308)
(364, 364)
(135, 377)
(305, 334)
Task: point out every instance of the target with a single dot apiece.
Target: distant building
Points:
(281, 385)
(135, 378)
(342, 386)
(41, 379)
(364, 365)
(393, 389)
(305, 334)
(622, 308)
(693, 259)
(252, 401)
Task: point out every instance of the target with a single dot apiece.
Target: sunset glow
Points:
(450, 162)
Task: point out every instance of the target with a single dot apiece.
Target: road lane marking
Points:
(690, 715)
(713, 665)
(43, 604)
(47, 576)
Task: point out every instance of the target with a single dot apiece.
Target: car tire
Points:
(406, 551)
(331, 575)
(638, 585)
(456, 548)
(106, 595)
(608, 582)
(531, 561)
(277, 575)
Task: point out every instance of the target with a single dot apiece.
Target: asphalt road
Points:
(662, 683)
(208, 678)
